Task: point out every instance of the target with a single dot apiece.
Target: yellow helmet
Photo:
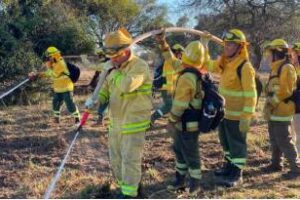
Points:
(193, 54)
(177, 47)
(277, 44)
(235, 35)
(296, 46)
(51, 51)
(117, 41)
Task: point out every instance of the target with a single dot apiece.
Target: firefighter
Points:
(296, 120)
(169, 76)
(187, 92)
(128, 92)
(239, 91)
(279, 110)
(63, 86)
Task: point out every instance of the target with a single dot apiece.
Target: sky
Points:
(174, 12)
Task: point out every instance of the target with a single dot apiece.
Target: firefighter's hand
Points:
(206, 38)
(273, 102)
(32, 75)
(244, 125)
(161, 38)
(89, 103)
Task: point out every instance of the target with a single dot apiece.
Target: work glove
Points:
(244, 125)
(205, 39)
(267, 110)
(32, 76)
(273, 101)
(89, 103)
(161, 40)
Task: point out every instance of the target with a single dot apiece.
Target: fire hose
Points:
(99, 85)
(14, 88)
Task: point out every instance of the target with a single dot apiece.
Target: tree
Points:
(261, 20)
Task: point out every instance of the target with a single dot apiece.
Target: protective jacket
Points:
(59, 74)
(239, 92)
(128, 91)
(279, 88)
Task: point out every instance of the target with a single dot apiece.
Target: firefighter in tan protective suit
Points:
(127, 90)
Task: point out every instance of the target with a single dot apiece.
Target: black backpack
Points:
(212, 109)
(258, 83)
(295, 97)
(74, 72)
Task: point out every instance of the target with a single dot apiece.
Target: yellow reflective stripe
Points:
(144, 89)
(181, 165)
(239, 162)
(168, 73)
(56, 113)
(192, 124)
(249, 109)
(281, 119)
(234, 93)
(49, 72)
(195, 173)
(129, 190)
(233, 113)
(180, 103)
(117, 79)
(102, 97)
(136, 127)
(250, 93)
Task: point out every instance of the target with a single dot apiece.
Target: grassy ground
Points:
(31, 148)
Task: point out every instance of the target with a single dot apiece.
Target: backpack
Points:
(295, 97)
(212, 109)
(258, 83)
(74, 72)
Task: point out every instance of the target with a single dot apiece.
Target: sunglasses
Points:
(111, 51)
(229, 36)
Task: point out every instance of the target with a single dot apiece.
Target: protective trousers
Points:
(125, 151)
(296, 126)
(233, 142)
(165, 107)
(186, 148)
(282, 142)
(66, 97)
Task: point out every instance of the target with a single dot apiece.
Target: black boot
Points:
(179, 182)
(234, 178)
(225, 170)
(194, 186)
(271, 168)
(99, 120)
(294, 173)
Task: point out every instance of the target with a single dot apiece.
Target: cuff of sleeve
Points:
(274, 101)
(246, 116)
(173, 118)
(164, 46)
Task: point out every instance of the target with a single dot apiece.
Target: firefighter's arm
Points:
(104, 93)
(287, 82)
(182, 96)
(132, 80)
(249, 91)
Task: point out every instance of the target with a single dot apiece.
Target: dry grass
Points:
(31, 148)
